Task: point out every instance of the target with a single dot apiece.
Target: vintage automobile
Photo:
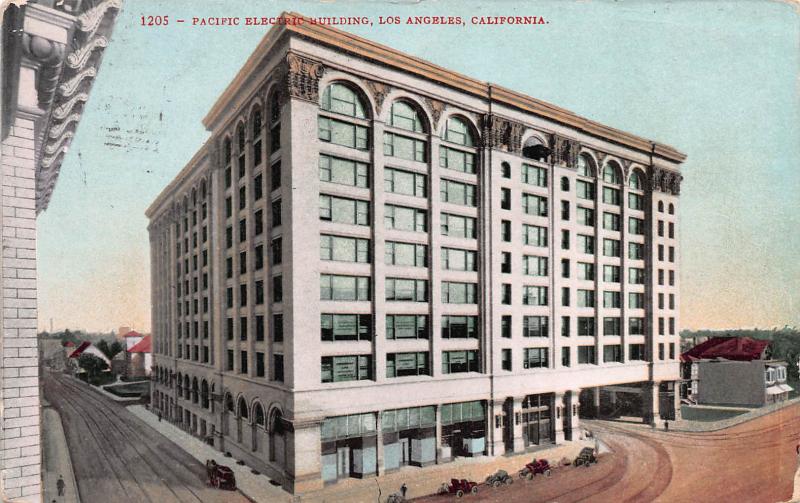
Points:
(220, 476)
(499, 478)
(535, 467)
(586, 457)
(459, 487)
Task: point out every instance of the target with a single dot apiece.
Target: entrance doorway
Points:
(343, 462)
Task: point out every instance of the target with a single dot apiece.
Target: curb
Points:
(62, 433)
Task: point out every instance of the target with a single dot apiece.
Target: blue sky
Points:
(717, 80)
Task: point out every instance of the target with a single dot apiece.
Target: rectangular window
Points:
(585, 190)
(457, 193)
(259, 257)
(672, 278)
(505, 230)
(407, 290)
(636, 251)
(457, 160)
(275, 176)
(259, 218)
(534, 266)
(611, 196)
(342, 249)
(612, 326)
(406, 326)
(242, 295)
(277, 368)
(406, 254)
(661, 228)
(534, 295)
(277, 328)
(505, 263)
(565, 239)
(505, 327)
(459, 293)
(459, 327)
(636, 300)
(258, 187)
(611, 273)
(636, 352)
(534, 205)
(346, 368)
(505, 198)
(586, 244)
(635, 326)
(277, 251)
(277, 289)
(565, 326)
(345, 211)
(455, 362)
(671, 230)
(636, 226)
(587, 355)
(343, 171)
(345, 327)
(229, 361)
(343, 133)
(506, 359)
(407, 364)
(243, 362)
(405, 219)
(586, 298)
(565, 296)
(535, 358)
(565, 268)
(260, 370)
(612, 353)
(333, 287)
(276, 213)
(586, 326)
(565, 357)
(636, 276)
(404, 147)
(565, 210)
(535, 326)
(612, 300)
(586, 271)
(534, 235)
(454, 259)
(611, 247)
(611, 221)
(635, 201)
(405, 182)
(458, 227)
(534, 175)
(586, 216)
(506, 294)
(259, 292)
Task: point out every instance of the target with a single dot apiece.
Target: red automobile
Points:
(459, 487)
(535, 467)
(220, 476)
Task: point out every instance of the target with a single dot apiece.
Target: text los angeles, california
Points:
(368, 21)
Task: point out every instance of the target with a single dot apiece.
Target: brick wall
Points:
(19, 401)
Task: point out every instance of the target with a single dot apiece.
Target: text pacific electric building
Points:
(375, 261)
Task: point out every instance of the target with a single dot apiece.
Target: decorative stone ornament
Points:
(302, 76)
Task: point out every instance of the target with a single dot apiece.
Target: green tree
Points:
(92, 364)
(102, 345)
(115, 348)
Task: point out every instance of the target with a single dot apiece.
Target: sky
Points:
(717, 80)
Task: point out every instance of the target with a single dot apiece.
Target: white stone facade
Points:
(217, 300)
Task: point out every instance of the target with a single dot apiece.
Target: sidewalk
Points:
(57, 460)
(255, 487)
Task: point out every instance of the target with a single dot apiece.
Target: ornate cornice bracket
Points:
(502, 133)
(301, 77)
(565, 151)
(379, 92)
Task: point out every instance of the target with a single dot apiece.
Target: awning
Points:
(785, 387)
(775, 390)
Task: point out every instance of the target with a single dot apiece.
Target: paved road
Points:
(117, 457)
(753, 462)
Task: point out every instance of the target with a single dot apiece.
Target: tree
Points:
(115, 348)
(103, 346)
(92, 364)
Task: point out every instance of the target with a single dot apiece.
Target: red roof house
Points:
(728, 348)
(143, 346)
(139, 359)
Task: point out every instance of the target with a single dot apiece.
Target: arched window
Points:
(661, 206)
(258, 415)
(195, 390)
(227, 150)
(243, 412)
(341, 99)
(585, 165)
(186, 389)
(612, 174)
(194, 197)
(505, 169)
(671, 209)
(256, 122)
(534, 148)
(274, 107)
(636, 182)
(565, 184)
(240, 135)
(405, 116)
(228, 402)
(203, 191)
(204, 394)
(457, 131)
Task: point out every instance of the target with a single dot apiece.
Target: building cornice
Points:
(386, 56)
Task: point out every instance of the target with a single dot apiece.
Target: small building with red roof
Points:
(139, 357)
(734, 371)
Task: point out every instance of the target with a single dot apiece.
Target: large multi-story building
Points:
(375, 261)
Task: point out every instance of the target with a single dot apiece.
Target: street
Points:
(117, 457)
(753, 461)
